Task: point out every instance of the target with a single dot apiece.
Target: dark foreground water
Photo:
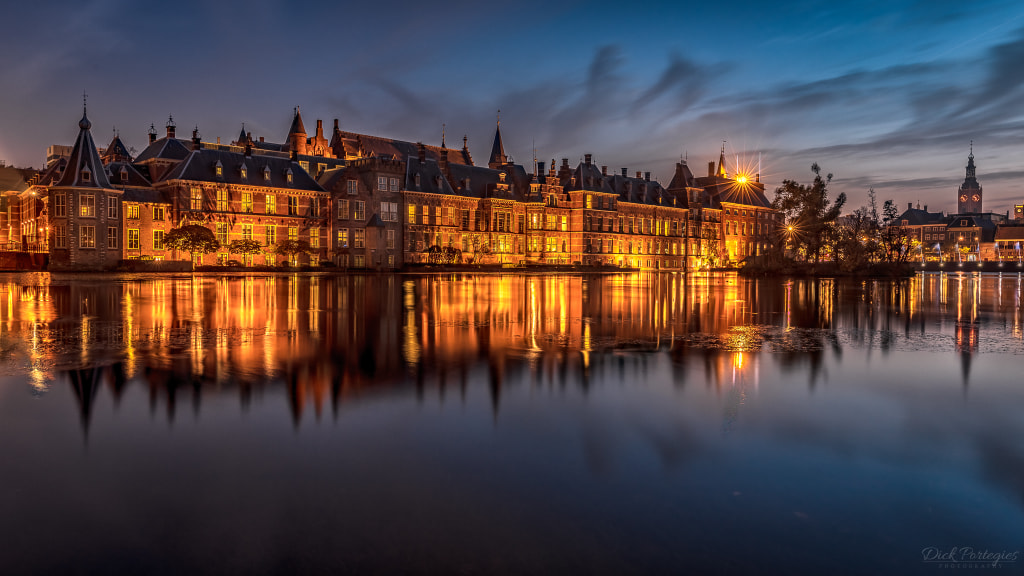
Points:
(510, 424)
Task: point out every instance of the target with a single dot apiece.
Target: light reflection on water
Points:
(509, 423)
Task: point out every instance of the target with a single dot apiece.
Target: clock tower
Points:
(968, 197)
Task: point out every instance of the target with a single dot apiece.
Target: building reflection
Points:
(327, 340)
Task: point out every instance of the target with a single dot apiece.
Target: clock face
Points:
(963, 197)
(975, 197)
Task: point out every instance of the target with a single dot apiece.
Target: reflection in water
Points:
(331, 338)
(642, 423)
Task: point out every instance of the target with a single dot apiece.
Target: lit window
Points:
(87, 239)
(88, 206)
(222, 233)
(343, 238)
(133, 238)
(158, 213)
(158, 239)
(412, 213)
(196, 200)
(218, 169)
(293, 206)
(314, 237)
(222, 200)
(246, 231)
(358, 238)
(271, 203)
(289, 176)
(247, 202)
(293, 233)
(245, 172)
(270, 233)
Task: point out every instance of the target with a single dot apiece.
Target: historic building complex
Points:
(367, 202)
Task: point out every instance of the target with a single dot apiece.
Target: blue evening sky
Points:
(884, 94)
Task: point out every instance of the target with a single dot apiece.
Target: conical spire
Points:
(721, 163)
(242, 136)
(116, 151)
(297, 127)
(497, 157)
(84, 167)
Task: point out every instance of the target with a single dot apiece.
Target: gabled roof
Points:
(84, 158)
(200, 166)
(389, 148)
(165, 148)
(682, 178)
(116, 151)
(588, 177)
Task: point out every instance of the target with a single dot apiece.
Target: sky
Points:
(884, 94)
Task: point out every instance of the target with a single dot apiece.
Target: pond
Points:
(635, 423)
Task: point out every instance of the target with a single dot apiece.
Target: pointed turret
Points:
(243, 137)
(297, 134)
(497, 158)
(721, 172)
(337, 144)
(84, 167)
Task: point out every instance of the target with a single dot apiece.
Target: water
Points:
(509, 424)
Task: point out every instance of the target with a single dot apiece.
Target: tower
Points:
(968, 197)
(297, 135)
(497, 158)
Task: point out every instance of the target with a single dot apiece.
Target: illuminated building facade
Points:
(366, 202)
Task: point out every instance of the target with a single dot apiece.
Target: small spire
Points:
(443, 126)
(499, 116)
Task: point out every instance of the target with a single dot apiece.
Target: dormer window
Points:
(467, 184)
(266, 173)
(289, 176)
(86, 175)
(501, 176)
(417, 179)
(218, 169)
(124, 174)
(244, 171)
(437, 181)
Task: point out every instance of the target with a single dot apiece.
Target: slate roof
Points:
(682, 178)
(200, 166)
(133, 176)
(15, 179)
(748, 194)
(431, 178)
(481, 180)
(166, 148)
(116, 150)
(84, 156)
(497, 156)
(53, 172)
(918, 217)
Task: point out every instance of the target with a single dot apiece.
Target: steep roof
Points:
(918, 217)
(497, 157)
(431, 180)
(482, 180)
(124, 174)
(682, 178)
(116, 151)
(297, 127)
(84, 159)
(165, 148)
(1010, 232)
(201, 166)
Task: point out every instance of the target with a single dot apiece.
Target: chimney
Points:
(925, 207)
(218, 140)
(565, 162)
(294, 154)
(647, 176)
(604, 170)
(910, 205)
(248, 146)
(196, 142)
(170, 128)
(639, 174)
(586, 159)
(442, 163)
(336, 125)
(540, 172)
(319, 128)
(625, 172)
(152, 134)
(422, 152)
(711, 169)
(261, 138)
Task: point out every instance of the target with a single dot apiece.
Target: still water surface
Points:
(640, 423)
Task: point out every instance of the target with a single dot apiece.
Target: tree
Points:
(809, 212)
(245, 247)
(194, 239)
(895, 242)
(292, 248)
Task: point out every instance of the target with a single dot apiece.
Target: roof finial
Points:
(499, 116)
(465, 141)
(972, 148)
(85, 101)
(443, 126)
